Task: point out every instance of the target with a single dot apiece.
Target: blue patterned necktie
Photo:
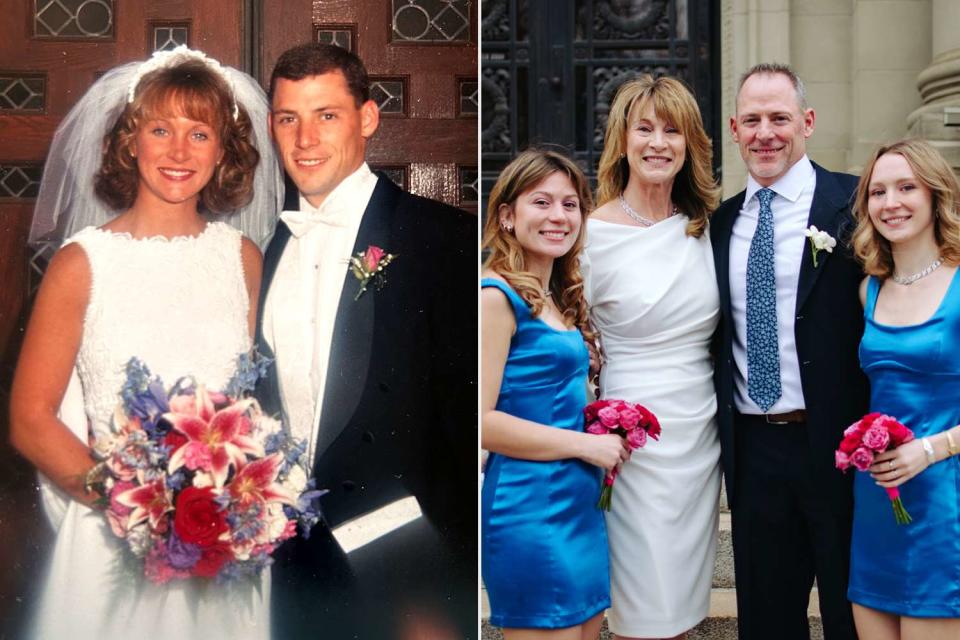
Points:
(763, 357)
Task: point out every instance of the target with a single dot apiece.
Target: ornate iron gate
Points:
(550, 69)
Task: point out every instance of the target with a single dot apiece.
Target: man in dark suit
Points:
(787, 372)
(377, 375)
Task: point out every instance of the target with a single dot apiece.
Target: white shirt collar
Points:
(342, 200)
(790, 185)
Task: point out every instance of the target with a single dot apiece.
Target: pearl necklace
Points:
(905, 280)
(639, 219)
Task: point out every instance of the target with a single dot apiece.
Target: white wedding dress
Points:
(653, 298)
(181, 307)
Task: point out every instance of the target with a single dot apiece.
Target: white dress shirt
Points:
(791, 212)
(301, 305)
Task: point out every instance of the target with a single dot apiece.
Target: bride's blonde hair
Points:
(506, 256)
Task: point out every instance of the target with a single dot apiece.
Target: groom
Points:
(787, 373)
(377, 374)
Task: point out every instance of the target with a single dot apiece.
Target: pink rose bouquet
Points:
(874, 433)
(633, 422)
(201, 484)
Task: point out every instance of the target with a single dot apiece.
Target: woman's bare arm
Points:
(43, 371)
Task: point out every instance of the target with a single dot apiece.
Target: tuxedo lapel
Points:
(720, 234)
(828, 204)
(352, 343)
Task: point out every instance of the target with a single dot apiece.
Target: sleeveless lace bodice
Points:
(179, 305)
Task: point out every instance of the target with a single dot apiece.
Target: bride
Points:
(159, 281)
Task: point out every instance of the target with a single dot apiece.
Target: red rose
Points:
(867, 421)
(898, 432)
(850, 443)
(212, 559)
(649, 422)
(198, 519)
(591, 410)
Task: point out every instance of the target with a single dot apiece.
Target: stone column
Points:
(939, 84)
(890, 48)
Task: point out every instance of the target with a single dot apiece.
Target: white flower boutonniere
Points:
(819, 241)
(369, 265)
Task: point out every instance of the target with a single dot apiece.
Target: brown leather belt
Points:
(798, 415)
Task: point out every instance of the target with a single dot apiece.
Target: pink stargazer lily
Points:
(256, 481)
(149, 502)
(216, 439)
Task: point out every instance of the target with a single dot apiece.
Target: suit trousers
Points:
(785, 535)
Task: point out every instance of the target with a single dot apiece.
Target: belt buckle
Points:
(766, 417)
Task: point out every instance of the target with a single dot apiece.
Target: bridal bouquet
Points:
(633, 422)
(201, 483)
(863, 440)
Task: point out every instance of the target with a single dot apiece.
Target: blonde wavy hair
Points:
(695, 191)
(931, 170)
(507, 257)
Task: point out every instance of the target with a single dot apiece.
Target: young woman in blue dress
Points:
(905, 579)
(543, 542)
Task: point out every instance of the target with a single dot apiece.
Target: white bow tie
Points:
(301, 222)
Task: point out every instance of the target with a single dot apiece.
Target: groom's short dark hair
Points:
(315, 59)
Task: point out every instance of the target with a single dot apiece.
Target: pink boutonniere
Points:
(369, 265)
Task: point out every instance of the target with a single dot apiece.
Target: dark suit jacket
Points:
(828, 325)
(399, 418)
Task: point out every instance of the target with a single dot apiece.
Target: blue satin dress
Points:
(543, 546)
(914, 569)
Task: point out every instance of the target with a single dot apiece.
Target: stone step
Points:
(720, 623)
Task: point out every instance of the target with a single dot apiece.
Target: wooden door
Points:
(51, 51)
(422, 59)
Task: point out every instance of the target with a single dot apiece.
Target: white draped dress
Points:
(180, 306)
(653, 298)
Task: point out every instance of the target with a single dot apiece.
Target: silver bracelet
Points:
(928, 451)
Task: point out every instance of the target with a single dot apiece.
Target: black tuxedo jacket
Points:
(828, 325)
(399, 419)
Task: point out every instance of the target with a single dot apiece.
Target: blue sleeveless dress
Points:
(543, 541)
(914, 371)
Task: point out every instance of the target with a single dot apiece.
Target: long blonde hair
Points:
(695, 190)
(507, 256)
(931, 170)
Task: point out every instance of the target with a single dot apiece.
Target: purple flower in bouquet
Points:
(250, 369)
(180, 554)
(144, 397)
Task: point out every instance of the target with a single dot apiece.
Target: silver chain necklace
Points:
(639, 219)
(905, 280)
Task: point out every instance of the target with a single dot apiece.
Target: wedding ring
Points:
(890, 464)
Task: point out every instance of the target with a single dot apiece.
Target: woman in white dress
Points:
(649, 280)
(158, 281)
